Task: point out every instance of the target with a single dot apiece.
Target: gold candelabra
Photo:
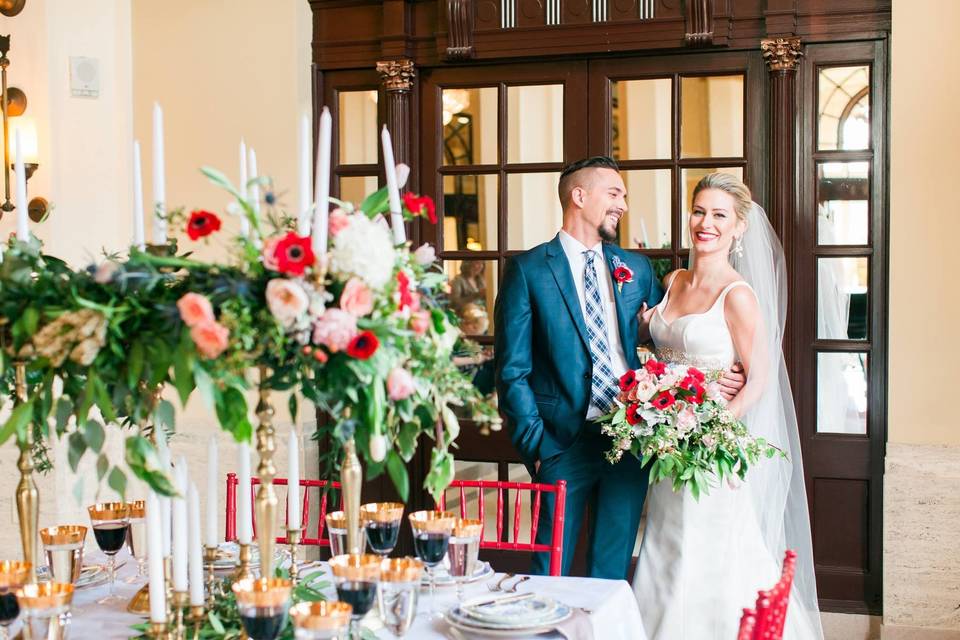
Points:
(244, 566)
(293, 539)
(180, 601)
(266, 502)
(196, 620)
(28, 498)
(209, 563)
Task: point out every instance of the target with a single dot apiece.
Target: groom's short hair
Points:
(568, 177)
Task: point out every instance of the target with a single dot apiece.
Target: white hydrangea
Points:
(363, 249)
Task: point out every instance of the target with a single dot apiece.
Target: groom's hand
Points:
(732, 381)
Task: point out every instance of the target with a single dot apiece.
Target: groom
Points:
(566, 331)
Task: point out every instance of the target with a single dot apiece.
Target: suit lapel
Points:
(623, 321)
(557, 261)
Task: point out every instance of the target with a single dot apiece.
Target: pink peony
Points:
(335, 329)
(287, 301)
(210, 338)
(400, 384)
(686, 420)
(195, 309)
(420, 322)
(269, 253)
(356, 299)
(337, 222)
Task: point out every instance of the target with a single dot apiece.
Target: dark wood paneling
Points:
(840, 516)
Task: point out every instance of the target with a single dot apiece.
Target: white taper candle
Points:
(322, 186)
(23, 228)
(293, 482)
(158, 592)
(159, 179)
(195, 554)
(244, 506)
(304, 210)
(212, 482)
(139, 233)
(180, 527)
(393, 190)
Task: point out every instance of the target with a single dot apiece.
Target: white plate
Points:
(442, 577)
(501, 632)
(90, 575)
(518, 613)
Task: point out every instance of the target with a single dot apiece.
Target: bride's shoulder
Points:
(740, 301)
(671, 277)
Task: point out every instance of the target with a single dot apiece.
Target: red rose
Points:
(693, 386)
(421, 205)
(622, 274)
(628, 380)
(202, 223)
(633, 415)
(403, 289)
(363, 345)
(663, 400)
(293, 254)
(696, 373)
(655, 367)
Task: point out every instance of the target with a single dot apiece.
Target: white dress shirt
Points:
(574, 249)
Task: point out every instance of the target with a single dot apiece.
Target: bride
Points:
(702, 562)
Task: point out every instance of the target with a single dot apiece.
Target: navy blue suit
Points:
(543, 373)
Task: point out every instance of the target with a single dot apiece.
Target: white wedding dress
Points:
(702, 562)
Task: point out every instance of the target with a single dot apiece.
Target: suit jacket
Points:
(543, 364)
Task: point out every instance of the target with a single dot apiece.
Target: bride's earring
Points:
(738, 247)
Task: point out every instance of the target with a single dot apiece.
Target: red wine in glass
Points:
(382, 536)
(111, 536)
(264, 627)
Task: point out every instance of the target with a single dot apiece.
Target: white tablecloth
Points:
(613, 609)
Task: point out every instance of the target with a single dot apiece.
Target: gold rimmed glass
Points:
(13, 575)
(263, 605)
(321, 620)
(356, 576)
(464, 551)
(137, 538)
(381, 524)
(398, 592)
(337, 532)
(64, 550)
(110, 521)
(431, 539)
(46, 610)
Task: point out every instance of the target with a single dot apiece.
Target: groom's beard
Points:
(608, 230)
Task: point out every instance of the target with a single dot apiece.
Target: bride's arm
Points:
(646, 312)
(743, 318)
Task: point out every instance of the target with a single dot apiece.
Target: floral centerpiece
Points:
(675, 416)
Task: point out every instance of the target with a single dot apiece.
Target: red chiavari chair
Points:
(766, 621)
(504, 539)
(320, 541)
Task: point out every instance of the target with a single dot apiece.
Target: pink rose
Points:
(420, 322)
(338, 221)
(269, 253)
(335, 329)
(714, 393)
(210, 338)
(399, 384)
(287, 301)
(356, 299)
(195, 309)
(686, 420)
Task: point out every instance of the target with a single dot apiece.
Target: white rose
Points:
(378, 447)
(425, 254)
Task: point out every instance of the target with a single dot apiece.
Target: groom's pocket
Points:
(546, 405)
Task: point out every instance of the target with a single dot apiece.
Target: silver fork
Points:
(513, 589)
(499, 585)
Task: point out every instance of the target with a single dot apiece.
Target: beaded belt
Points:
(675, 356)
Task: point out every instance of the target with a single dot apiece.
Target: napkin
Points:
(576, 627)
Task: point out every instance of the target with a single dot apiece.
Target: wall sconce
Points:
(13, 104)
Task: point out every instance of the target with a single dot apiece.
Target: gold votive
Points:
(262, 592)
(336, 520)
(432, 521)
(45, 595)
(109, 511)
(381, 512)
(63, 546)
(63, 534)
(356, 566)
(467, 528)
(13, 574)
(401, 570)
(321, 616)
(137, 509)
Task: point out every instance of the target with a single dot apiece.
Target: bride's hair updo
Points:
(742, 199)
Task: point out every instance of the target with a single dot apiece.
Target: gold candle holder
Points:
(181, 599)
(244, 570)
(196, 620)
(266, 501)
(350, 479)
(158, 631)
(293, 539)
(209, 563)
(28, 498)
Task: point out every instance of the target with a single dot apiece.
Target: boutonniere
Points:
(621, 273)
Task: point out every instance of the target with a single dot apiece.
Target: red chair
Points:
(319, 541)
(503, 542)
(767, 620)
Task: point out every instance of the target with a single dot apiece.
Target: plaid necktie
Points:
(603, 383)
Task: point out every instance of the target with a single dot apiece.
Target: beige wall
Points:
(924, 287)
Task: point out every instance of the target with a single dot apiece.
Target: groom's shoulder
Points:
(530, 257)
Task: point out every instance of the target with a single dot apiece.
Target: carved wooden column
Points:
(782, 56)
(397, 77)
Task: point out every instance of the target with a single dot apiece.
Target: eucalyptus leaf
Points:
(397, 471)
(166, 415)
(63, 411)
(94, 435)
(118, 481)
(76, 447)
(17, 422)
(103, 465)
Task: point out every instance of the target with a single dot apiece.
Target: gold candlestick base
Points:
(168, 584)
(351, 475)
(266, 502)
(158, 631)
(244, 570)
(27, 496)
(180, 600)
(212, 584)
(196, 620)
(293, 539)
(140, 602)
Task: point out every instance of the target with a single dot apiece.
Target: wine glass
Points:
(464, 551)
(398, 592)
(431, 538)
(110, 522)
(356, 576)
(46, 609)
(137, 539)
(64, 550)
(381, 524)
(13, 575)
(321, 620)
(263, 604)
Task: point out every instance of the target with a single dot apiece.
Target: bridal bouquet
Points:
(675, 416)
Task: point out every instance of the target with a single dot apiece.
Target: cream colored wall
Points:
(924, 300)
